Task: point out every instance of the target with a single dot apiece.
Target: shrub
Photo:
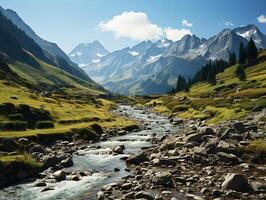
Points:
(44, 124)
(14, 117)
(180, 108)
(6, 108)
(14, 126)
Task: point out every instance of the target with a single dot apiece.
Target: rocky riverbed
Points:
(197, 162)
(168, 158)
(76, 169)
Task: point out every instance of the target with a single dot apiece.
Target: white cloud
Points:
(176, 34)
(227, 23)
(186, 23)
(262, 19)
(134, 25)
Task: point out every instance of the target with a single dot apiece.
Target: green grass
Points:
(257, 146)
(23, 158)
(217, 101)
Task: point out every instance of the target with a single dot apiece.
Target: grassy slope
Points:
(77, 102)
(216, 103)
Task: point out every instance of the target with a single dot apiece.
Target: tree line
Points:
(209, 71)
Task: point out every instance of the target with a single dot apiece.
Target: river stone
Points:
(137, 158)
(51, 162)
(67, 162)
(168, 144)
(163, 178)
(59, 175)
(206, 130)
(196, 137)
(126, 186)
(23, 141)
(75, 178)
(236, 182)
(225, 157)
(239, 127)
(118, 149)
(100, 195)
(40, 184)
(47, 189)
(37, 148)
(144, 195)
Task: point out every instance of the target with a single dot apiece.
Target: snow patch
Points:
(95, 60)
(100, 55)
(154, 58)
(133, 53)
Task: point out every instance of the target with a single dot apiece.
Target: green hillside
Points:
(228, 99)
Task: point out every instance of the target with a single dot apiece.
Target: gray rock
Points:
(51, 162)
(118, 150)
(163, 178)
(227, 158)
(126, 186)
(67, 162)
(144, 195)
(40, 184)
(59, 175)
(100, 195)
(196, 137)
(206, 130)
(37, 148)
(236, 182)
(137, 158)
(239, 127)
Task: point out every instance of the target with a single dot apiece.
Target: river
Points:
(98, 160)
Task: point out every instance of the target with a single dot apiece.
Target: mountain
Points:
(58, 57)
(149, 68)
(31, 65)
(85, 54)
(251, 31)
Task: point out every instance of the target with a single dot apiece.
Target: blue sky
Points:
(69, 22)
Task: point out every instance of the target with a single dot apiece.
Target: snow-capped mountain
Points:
(251, 31)
(88, 53)
(150, 68)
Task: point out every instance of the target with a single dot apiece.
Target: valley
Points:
(174, 116)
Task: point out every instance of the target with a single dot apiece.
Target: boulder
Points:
(236, 182)
(229, 158)
(100, 195)
(59, 175)
(144, 195)
(206, 130)
(164, 179)
(239, 127)
(67, 162)
(51, 162)
(195, 137)
(168, 144)
(37, 148)
(137, 158)
(118, 150)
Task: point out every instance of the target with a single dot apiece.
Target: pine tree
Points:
(181, 84)
(242, 54)
(240, 73)
(232, 58)
(252, 51)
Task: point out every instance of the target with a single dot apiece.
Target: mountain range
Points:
(35, 60)
(153, 67)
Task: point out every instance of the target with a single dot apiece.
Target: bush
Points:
(180, 108)
(6, 108)
(44, 124)
(14, 126)
(14, 117)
